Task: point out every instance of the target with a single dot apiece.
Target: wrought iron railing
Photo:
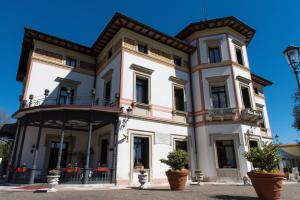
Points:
(251, 114)
(76, 175)
(77, 100)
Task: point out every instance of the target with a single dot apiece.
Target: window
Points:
(226, 154)
(66, 96)
(181, 145)
(109, 53)
(142, 48)
(256, 90)
(142, 90)
(177, 60)
(219, 98)
(107, 92)
(262, 118)
(104, 152)
(239, 55)
(253, 144)
(214, 54)
(179, 98)
(141, 152)
(72, 62)
(246, 97)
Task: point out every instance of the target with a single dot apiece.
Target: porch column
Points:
(21, 145)
(87, 162)
(35, 153)
(62, 135)
(17, 164)
(15, 148)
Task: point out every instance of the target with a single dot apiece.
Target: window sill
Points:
(141, 105)
(263, 129)
(179, 112)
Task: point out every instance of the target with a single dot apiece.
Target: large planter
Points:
(143, 179)
(177, 179)
(268, 186)
(52, 181)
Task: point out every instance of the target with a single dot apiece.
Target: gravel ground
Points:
(290, 192)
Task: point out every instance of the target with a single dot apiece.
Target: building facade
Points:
(103, 113)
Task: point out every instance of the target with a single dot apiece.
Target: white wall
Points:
(43, 76)
(161, 86)
(114, 65)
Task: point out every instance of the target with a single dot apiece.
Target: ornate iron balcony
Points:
(250, 114)
(77, 100)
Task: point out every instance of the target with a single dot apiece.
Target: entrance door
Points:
(53, 155)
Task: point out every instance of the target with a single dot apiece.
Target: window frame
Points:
(174, 87)
(249, 92)
(145, 77)
(208, 53)
(59, 94)
(261, 109)
(71, 58)
(226, 95)
(236, 157)
(180, 60)
(242, 54)
(145, 134)
(144, 45)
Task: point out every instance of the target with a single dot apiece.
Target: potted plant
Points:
(142, 178)
(52, 180)
(266, 179)
(177, 175)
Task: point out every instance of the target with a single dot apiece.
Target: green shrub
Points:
(177, 160)
(266, 158)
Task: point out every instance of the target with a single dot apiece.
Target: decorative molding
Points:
(243, 79)
(214, 79)
(67, 81)
(141, 69)
(177, 80)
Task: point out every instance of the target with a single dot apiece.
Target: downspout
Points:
(193, 115)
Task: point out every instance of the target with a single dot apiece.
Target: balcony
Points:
(221, 113)
(66, 101)
(251, 115)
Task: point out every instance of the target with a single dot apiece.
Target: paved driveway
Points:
(291, 192)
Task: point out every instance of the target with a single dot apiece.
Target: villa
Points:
(101, 114)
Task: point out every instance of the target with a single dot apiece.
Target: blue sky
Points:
(276, 23)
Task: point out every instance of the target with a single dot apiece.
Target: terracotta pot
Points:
(177, 179)
(268, 186)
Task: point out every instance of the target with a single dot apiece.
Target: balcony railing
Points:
(221, 112)
(78, 100)
(250, 114)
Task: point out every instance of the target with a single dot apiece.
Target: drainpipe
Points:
(193, 116)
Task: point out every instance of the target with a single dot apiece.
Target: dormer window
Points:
(71, 62)
(143, 48)
(177, 60)
(239, 55)
(214, 55)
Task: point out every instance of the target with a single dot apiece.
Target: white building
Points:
(135, 95)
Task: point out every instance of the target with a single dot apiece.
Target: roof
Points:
(116, 23)
(121, 21)
(231, 22)
(290, 151)
(260, 80)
